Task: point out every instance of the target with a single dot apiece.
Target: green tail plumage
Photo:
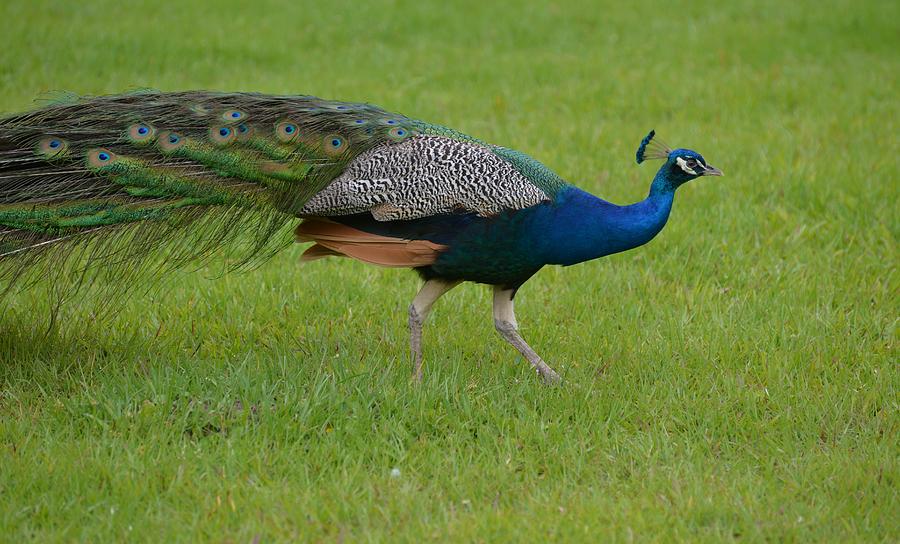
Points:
(156, 180)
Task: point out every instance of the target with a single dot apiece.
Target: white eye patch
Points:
(683, 164)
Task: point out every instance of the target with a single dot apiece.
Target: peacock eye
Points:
(98, 158)
(691, 163)
(398, 133)
(334, 144)
(286, 131)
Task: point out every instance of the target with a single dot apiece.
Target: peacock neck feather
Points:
(579, 226)
(662, 184)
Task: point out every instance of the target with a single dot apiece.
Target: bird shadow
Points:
(31, 345)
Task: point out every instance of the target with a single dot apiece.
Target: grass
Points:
(735, 380)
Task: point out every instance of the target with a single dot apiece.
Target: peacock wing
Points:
(427, 175)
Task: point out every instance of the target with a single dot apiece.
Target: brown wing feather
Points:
(335, 239)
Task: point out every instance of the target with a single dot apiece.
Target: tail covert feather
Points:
(174, 175)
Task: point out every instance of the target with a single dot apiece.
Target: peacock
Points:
(94, 188)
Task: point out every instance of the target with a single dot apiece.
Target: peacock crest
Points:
(652, 148)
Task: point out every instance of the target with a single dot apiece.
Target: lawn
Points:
(734, 380)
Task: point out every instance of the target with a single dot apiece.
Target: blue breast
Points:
(509, 248)
(574, 228)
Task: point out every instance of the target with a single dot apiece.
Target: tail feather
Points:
(168, 178)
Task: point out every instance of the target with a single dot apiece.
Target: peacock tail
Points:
(152, 181)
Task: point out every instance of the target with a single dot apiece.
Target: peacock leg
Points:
(418, 313)
(505, 323)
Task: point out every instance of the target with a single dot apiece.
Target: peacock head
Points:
(681, 166)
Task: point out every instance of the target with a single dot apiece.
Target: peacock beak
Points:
(711, 171)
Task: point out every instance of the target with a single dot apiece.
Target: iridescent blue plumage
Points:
(573, 227)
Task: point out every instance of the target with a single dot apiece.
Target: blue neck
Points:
(662, 185)
(579, 227)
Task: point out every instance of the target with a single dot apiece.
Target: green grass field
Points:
(735, 380)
